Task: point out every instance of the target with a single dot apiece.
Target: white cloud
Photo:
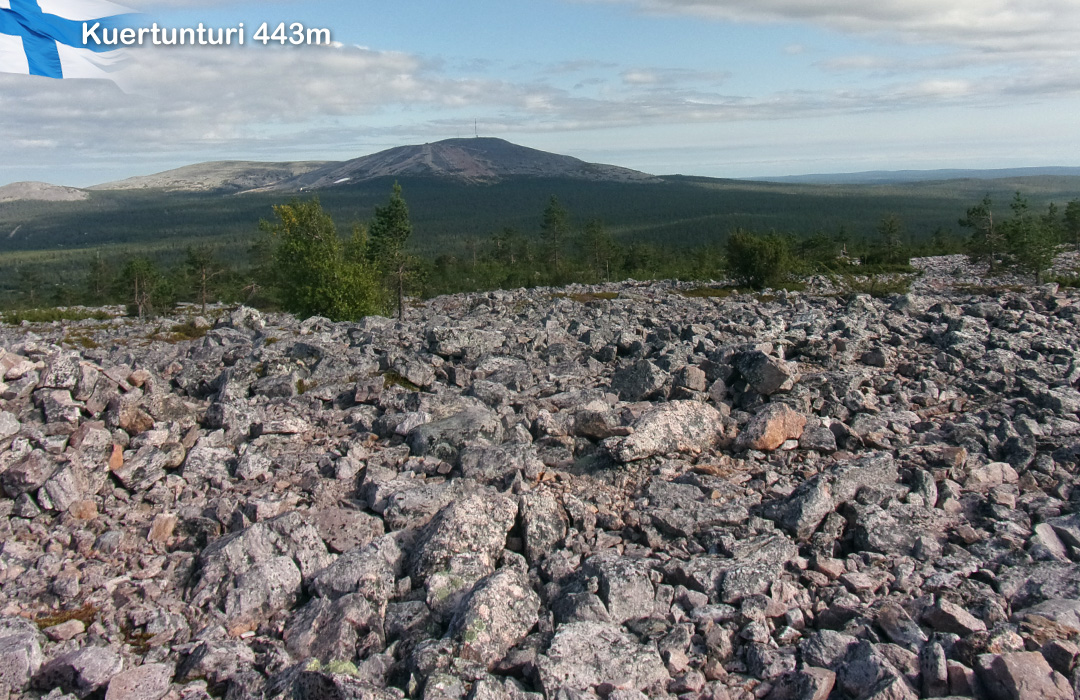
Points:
(1045, 27)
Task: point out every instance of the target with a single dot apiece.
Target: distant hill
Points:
(224, 175)
(465, 160)
(41, 192)
(478, 160)
(894, 177)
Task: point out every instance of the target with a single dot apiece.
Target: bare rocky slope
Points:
(41, 191)
(471, 160)
(227, 175)
(550, 493)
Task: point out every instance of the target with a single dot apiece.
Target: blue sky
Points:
(724, 88)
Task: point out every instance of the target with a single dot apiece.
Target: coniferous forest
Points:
(364, 249)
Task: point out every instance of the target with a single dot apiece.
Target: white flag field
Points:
(45, 37)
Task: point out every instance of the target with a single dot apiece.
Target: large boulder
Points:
(676, 426)
(496, 615)
(586, 655)
(473, 525)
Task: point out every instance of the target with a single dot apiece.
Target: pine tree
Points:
(890, 231)
(98, 279)
(600, 247)
(1072, 222)
(987, 242)
(555, 228)
(388, 233)
(202, 264)
(1031, 243)
(142, 286)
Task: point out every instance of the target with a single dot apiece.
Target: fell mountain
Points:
(220, 176)
(475, 160)
(40, 191)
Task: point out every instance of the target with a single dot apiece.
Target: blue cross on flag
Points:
(45, 37)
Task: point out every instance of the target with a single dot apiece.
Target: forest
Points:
(203, 248)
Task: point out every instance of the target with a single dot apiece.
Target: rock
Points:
(825, 648)
(772, 427)
(757, 563)
(65, 630)
(764, 374)
(475, 525)
(336, 630)
(497, 464)
(808, 684)
(9, 425)
(27, 474)
(126, 414)
(934, 671)
(819, 439)
(81, 672)
(585, 655)
(900, 628)
(640, 381)
(624, 586)
(20, 653)
(543, 523)
(445, 438)
(146, 682)
(259, 570)
(676, 426)
(370, 571)
(952, 619)
(865, 671)
(496, 615)
(1022, 676)
(802, 512)
(148, 465)
(462, 342)
(344, 530)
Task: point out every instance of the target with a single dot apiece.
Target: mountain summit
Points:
(470, 160)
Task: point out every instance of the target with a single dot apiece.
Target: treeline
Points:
(302, 263)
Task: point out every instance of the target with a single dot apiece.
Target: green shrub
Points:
(758, 261)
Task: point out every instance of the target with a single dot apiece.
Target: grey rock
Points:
(344, 530)
(445, 438)
(825, 648)
(496, 615)
(336, 630)
(9, 425)
(640, 381)
(20, 653)
(766, 375)
(584, 655)
(497, 464)
(543, 523)
(260, 591)
(27, 474)
(802, 512)
(476, 524)
(146, 682)
(676, 426)
(625, 586)
(280, 548)
(82, 671)
(370, 571)
(147, 466)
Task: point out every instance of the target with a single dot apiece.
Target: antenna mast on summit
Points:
(476, 131)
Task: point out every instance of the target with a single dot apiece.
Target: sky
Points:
(720, 88)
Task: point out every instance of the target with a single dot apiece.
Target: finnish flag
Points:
(44, 37)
